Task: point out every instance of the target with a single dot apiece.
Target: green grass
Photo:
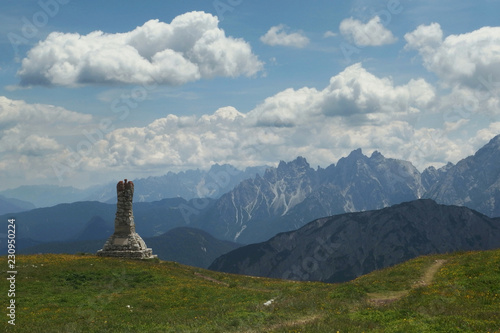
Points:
(70, 293)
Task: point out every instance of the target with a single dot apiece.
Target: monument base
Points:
(129, 246)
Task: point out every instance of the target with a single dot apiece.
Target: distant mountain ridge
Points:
(287, 197)
(9, 205)
(189, 184)
(87, 220)
(343, 247)
(47, 195)
(188, 246)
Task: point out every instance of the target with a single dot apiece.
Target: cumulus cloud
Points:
(315, 123)
(356, 92)
(355, 95)
(372, 33)
(329, 34)
(32, 137)
(287, 108)
(355, 109)
(26, 119)
(278, 36)
(484, 135)
(470, 59)
(425, 38)
(190, 48)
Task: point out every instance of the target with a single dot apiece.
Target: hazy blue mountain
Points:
(59, 223)
(343, 247)
(189, 184)
(48, 195)
(9, 205)
(187, 246)
(96, 228)
(473, 182)
(88, 220)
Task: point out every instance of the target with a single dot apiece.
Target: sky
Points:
(96, 91)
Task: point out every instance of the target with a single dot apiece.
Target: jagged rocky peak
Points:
(223, 167)
(376, 155)
(289, 169)
(492, 148)
(378, 158)
(431, 175)
(353, 157)
(495, 142)
(473, 182)
(298, 163)
(446, 167)
(352, 165)
(357, 153)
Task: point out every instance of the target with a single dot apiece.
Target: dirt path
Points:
(208, 278)
(431, 271)
(391, 296)
(211, 279)
(377, 299)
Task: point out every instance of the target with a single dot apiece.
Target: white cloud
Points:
(287, 108)
(315, 123)
(329, 34)
(485, 135)
(471, 59)
(32, 137)
(351, 93)
(372, 33)
(355, 93)
(36, 118)
(277, 36)
(190, 48)
(433, 146)
(425, 38)
(356, 109)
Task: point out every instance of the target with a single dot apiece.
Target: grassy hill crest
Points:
(457, 292)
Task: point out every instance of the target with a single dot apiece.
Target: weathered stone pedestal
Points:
(125, 242)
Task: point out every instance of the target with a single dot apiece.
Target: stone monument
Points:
(125, 242)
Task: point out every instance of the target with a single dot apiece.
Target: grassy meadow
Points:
(83, 293)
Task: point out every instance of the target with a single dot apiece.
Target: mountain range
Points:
(189, 184)
(343, 247)
(90, 220)
(48, 195)
(281, 199)
(9, 205)
(287, 197)
(188, 246)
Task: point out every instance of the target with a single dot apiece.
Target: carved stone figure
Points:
(125, 242)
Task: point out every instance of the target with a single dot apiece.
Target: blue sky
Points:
(91, 91)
